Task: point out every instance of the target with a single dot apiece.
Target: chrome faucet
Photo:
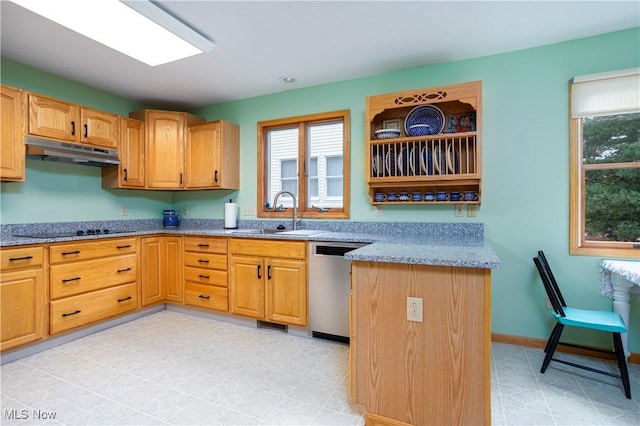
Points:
(295, 205)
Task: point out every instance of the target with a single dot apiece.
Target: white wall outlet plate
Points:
(414, 309)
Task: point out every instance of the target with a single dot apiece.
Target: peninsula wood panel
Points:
(433, 372)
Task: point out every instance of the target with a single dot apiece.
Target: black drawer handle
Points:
(269, 272)
(215, 176)
(73, 128)
(77, 311)
(122, 247)
(202, 296)
(203, 261)
(259, 274)
(203, 276)
(86, 130)
(13, 259)
(125, 299)
(203, 245)
(65, 253)
(124, 270)
(125, 175)
(71, 279)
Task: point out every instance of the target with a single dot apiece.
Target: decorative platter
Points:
(430, 115)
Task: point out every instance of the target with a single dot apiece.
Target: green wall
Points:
(525, 204)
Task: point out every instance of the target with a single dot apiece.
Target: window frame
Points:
(578, 245)
(302, 121)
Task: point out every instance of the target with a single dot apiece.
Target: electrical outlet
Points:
(471, 210)
(379, 211)
(185, 210)
(125, 212)
(414, 309)
(248, 211)
(458, 208)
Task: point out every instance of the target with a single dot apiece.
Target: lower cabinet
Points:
(205, 273)
(274, 287)
(161, 277)
(91, 281)
(22, 296)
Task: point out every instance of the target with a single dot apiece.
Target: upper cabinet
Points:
(131, 171)
(52, 118)
(166, 134)
(12, 153)
(213, 156)
(183, 152)
(425, 141)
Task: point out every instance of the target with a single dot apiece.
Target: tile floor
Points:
(178, 369)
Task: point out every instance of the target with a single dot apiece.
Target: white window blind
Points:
(609, 93)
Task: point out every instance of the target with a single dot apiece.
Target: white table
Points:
(620, 281)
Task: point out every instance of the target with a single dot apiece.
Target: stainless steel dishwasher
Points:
(329, 289)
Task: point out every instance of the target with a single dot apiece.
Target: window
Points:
(605, 164)
(308, 156)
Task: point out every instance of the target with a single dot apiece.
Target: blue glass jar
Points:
(171, 218)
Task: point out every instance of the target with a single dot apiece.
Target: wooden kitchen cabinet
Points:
(448, 161)
(91, 281)
(52, 118)
(161, 278)
(12, 154)
(213, 156)
(436, 371)
(166, 136)
(131, 171)
(22, 296)
(205, 273)
(273, 287)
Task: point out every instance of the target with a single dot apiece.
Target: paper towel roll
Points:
(230, 215)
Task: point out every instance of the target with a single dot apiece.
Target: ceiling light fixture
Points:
(139, 28)
(287, 79)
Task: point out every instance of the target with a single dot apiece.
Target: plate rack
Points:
(450, 161)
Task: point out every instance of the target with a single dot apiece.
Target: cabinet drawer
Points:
(270, 248)
(206, 245)
(16, 258)
(206, 260)
(206, 296)
(205, 276)
(86, 308)
(80, 277)
(91, 250)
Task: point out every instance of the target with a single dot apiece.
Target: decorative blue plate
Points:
(377, 164)
(426, 163)
(403, 162)
(425, 114)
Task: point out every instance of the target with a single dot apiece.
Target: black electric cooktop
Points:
(72, 233)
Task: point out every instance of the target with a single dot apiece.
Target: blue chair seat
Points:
(595, 320)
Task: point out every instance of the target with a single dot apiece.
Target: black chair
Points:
(607, 321)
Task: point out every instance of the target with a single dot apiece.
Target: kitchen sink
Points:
(275, 231)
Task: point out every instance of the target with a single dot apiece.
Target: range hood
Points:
(64, 152)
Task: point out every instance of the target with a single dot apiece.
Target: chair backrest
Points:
(554, 283)
(548, 286)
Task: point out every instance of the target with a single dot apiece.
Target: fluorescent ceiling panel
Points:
(156, 38)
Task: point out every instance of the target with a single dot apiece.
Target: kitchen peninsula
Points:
(430, 372)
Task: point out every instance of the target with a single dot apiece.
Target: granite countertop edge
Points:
(381, 248)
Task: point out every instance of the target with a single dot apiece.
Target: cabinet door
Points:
(172, 269)
(52, 118)
(22, 302)
(130, 172)
(165, 149)
(152, 290)
(11, 135)
(99, 128)
(203, 156)
(286, 291)
(246, 286)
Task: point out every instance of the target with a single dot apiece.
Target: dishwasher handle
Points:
(321, 250)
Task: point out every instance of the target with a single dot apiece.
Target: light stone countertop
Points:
(440, 244)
